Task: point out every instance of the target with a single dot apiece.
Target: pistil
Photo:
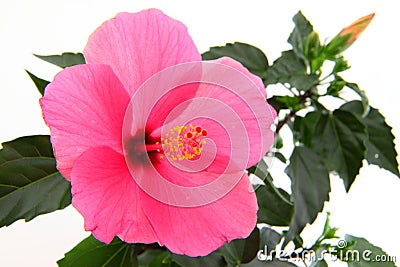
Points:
(154, 147)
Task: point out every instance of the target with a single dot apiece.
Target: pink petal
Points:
(108, 198)
(173, 172)
(166, 104)
(201, 230)
(237, 118)
(238, 66)
(138, 45)
(84, 107)
(251, 107)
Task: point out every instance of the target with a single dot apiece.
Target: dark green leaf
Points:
(30, 183)
(251, 57)
(291, 102)
(211, 260)
(269, 239)
(310, 188)
(380, 146)
(364, 254)
(280, 156)
(318, 106)
(290, 69)
(242, 250)
(163, 260)
(64, 60)
(274, 206)
(335, 86)
(40, 83)
(304, 127)
(275, 263)
(321, 263)
(298, 241)
(276, 104)
(149, 255)
(91, 252)
(278, 142)
(300, 33)
(339, 138)
(361, 93)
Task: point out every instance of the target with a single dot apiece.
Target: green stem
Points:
(302, 100)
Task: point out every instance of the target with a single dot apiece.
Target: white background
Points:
(51, 27)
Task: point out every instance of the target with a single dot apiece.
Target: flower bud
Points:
(356, 28)
(347, 36)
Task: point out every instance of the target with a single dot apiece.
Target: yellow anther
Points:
(183, 142)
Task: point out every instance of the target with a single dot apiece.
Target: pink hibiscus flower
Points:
(156, 142)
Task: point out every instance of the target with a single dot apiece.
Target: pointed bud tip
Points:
(370, 16)
(356, 28)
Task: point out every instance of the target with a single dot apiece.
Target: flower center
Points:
(182, 142)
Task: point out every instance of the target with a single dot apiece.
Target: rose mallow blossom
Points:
(88, 109)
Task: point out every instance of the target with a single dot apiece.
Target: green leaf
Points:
(368, 254)
(30, 183)
(280, 156)
(321, 263)
(340, 65)
(241, 250)
(276, 103)
(40, 83)
(341, 142)
(300, 33)
(274, 206)
(250, 56)
(361, 93)
(64, 60)
(289, 68)
(278, 142)
(150, 255)
(275, 263)
(211, 260)
(304, 127)
(298, 241)
(162, 260)
(310, 188)
(269, 239)
(318, 106)
(336, 86)
(339, 139)
(291, 102)
(329, 232)
(380, 144)
(314, 52)
(91, 252)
